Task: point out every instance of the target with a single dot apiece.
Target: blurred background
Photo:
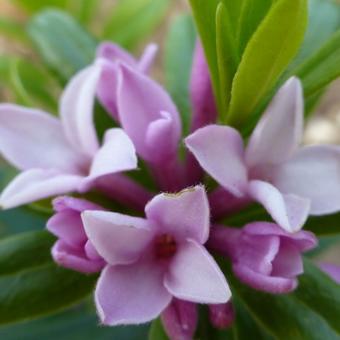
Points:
(33, 75)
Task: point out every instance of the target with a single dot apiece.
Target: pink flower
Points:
(60, 156)
(112, 55)
(290, 182)
(332, 270)
(73, 250)
(264, 256)
(150, 118)
(154, 259)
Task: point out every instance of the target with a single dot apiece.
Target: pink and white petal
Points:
(288, 262)
(63, 203)
(313, 173)
(31, 138)
(75, 259)
(219, 150)
(116, 155)
(193, 275)
(131, 294)
(67, 225)
(76, 109)
(269, 284)
(289, 211)
(279, 131)
(119, 239)
(114, 53)
(147, 58)
(36, 184)
(140, 102)
(184, 214)
(162, 138)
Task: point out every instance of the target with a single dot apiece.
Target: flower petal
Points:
(76, 109)
(194, 276)
(147, 58)
(332, 270)
(34, 139)
(114, 53)
(219, 150)
(75, 258)
(289, 211)
(140, 102)
(314, 173)
(118, 238)
(270, 284)
(279, 131)
(36, 184)
(131, 294)
(116, 155)
(184, 214)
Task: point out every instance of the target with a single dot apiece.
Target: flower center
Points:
(165, 246)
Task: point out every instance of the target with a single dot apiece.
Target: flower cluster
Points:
(160, 261)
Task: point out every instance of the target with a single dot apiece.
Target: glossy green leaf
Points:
(25, 251)
(41, 291)
(75, 324)
(179, 47)
(63, 44)
(205, 17)
(228, 56)
(321, 68)
(133, 20)
(266, 56)
(32, 85)
(318, 291)
(251, 15)
(157, 331)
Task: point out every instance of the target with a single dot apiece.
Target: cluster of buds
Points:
(162, 264)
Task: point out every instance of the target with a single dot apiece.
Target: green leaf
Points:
(133, 20)
(32, 85)
(179, 47)
(322, 68)
(12, 29)
(157, 331)
(74, 324)
(318, 291)
(63, 44)
(266, 56)
(326, 225)
(37, 5)
(205, 17)
(25, 251)
(44, 290)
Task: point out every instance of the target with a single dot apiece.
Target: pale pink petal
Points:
(219, 150)
(288, 262)
(184, 214)
(114, 53)
(289, 211)
(313, 173)
(193, 275)
(271, 284)
(36, 184)
(63, 203)
(75, 258)
(116, 155)
(140, 102)
(31, 138)
(76, 109)
(332, 270)
(279, 132)
(131, 294)
(147, 58)
(67, 225)
(118, 238)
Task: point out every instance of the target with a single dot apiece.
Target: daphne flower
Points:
(60, 156)
(152, 260)
(112, 54)
(150, 118)
(288, 181)
(73, 250)
(263, 255)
